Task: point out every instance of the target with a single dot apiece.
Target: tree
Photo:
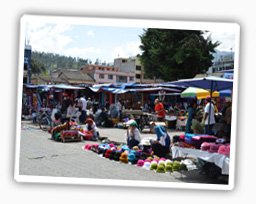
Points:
(174, 54)
(37, 67)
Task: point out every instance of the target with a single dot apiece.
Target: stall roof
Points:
(58, 86)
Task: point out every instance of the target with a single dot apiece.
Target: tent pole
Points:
(209, 115)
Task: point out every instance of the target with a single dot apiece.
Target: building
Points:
(65, 76)
(27, 64)
(134, 65)
(107, 74)
(222, 61)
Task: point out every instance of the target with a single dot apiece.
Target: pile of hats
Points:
(216, 148)
(135, 156)
(224, 149)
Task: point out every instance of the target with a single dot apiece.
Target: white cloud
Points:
(127, 50)
(226, 39)
(85, 53)
(48, 38)
(90, 33)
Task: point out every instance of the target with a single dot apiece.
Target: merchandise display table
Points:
(219, 160)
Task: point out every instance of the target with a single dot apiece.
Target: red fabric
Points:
(159, 108)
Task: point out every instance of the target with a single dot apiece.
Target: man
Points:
(160, 111)
(82, 103)
(209, 117)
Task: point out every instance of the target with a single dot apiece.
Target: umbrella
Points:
(211, 83)
(192, 92)
(226, 92)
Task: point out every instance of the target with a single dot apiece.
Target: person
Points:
(82, 104)
(91, 128)
(34, 116)
(191, 114)
(208, 117)
(113, 111)
(133, 134)
(160, 111)
(161, 146)
(71, 111)
(228, 116)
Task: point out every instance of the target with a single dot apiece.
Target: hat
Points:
(160, 169)
(224, 149)
(146, 165)
(153, 166)
(213, 148)
(132, 158)
(161, 162)
(140, 162)
(107, 153)
(205, 146)
(168, 162)
(135, 148)
(112, 155)
(117, 155)
(160, 130)
(168, 168)
(132, 123)
(95, 148)
(124, 157)
(87, 147)
(176, 166)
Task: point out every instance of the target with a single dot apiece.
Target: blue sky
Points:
(97, 41)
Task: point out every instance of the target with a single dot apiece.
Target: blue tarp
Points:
(57, 86)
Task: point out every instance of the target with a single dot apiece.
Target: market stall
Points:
(220, 160)
(208, 148)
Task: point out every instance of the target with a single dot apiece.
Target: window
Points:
(110, 76)
(124, 60)
(101, 76)
(122, 79)
(131, 78)
(137, 76)
(138, 67)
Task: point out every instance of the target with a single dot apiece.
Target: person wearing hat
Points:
(133, 134)
(209, 116)
(161, 146)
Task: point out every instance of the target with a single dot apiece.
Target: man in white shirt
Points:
(209, 112)
(83, 106)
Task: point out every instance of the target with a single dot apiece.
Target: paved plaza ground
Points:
(40, 156)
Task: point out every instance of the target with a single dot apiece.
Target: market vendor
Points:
(133, 134)
(91, 128)
(161, 146)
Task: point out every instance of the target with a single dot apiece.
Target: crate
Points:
(70, 136)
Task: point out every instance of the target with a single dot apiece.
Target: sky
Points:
(93, 41)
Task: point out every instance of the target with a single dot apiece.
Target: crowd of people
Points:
(203, 118)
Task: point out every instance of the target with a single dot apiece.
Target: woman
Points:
(161, 147)
(91, 129)
(133, 134)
